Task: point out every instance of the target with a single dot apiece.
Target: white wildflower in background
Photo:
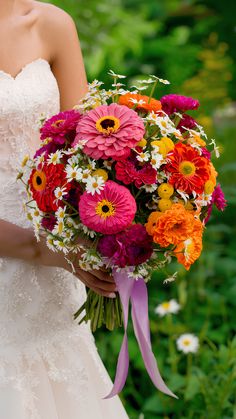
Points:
(167, 307)
(188, 343)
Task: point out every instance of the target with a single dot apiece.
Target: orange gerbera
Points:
(189, 171)
(148, 105)
(172, 227)
(188, 251)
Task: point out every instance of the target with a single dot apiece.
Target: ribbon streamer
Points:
(136, 292)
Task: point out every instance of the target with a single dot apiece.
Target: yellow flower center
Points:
(187, 168)
(186, 342)
(166, 305)
(57, 123)
(39, 180)
(105, 209)
(102, 173)
(108, 124)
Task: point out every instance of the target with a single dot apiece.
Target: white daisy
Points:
(144, 156)
(85, 175)
(119, 76)
(167, 307)
(149, 188)
(73, 173)
(54, 158)
(60, 245)
(156, 160)
(50, 243)
(188, 343)
(59, 192)
(95, 184)
(58, 228)
(108, 164)
(60, 213)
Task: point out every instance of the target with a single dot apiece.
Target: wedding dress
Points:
(49, 366)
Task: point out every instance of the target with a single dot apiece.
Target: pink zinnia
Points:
(61, 127)
(131, 171)
(109, 131)
(217, 199)
(127, 248)
(177, 103)
(110, 211)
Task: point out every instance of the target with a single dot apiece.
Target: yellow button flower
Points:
(164, 204)
(168, 143)
(165, 190)
(161, 146)
(209, 187)
(102, 173)
(142, 143)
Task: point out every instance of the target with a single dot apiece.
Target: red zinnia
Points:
(189, 171)
(131, 171)
(43, 182)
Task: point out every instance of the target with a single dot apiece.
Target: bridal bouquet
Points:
(134, 175)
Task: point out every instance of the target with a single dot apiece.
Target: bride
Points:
(49, 366)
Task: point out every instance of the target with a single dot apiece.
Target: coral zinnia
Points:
(172, 227)
(109, 131)
(61, 127)
(176, 103)
(110, 211)
(147, 105)
(189, 171)
(190, 249)
(127, 248)
(43, 182)
(132, 171)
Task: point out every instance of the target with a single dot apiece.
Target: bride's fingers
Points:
(104, 293)
(93, 282)
(103, 276)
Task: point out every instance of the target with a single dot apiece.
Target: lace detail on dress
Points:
(36, 303)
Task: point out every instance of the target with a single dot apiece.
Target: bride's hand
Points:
(99, 281)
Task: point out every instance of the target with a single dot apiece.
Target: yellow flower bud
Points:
(164, 204)
(165, 190)
(142, 143)
(161, 146)
(209, 187)
(102, 173)
(168, 143)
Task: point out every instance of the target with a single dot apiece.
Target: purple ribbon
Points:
(136, 292)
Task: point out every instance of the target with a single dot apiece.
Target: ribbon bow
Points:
(136, 292)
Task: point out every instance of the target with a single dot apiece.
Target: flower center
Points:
(105, 209)
(166, 305)
(57, 123)
(108, 124)
(39, 181)
(186, 342)
(187, 168)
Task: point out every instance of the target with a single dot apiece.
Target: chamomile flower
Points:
(167, 307)
(59, 193)
(95, 184)
(54, 158)
(137, 102)
(60, 245)
(149, 188)
(60, 213)
(143, 156)
(85, 175)
(119, 76)
(50, 243)
(73, 173)
(156, 160)
(188, 343)
(58, 228)
(108, 164)
(25, 160)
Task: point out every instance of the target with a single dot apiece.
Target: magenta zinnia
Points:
(109, 131)
(132, 171)
(128, 248)
(61, 127)
(110, 211)
(176, 103)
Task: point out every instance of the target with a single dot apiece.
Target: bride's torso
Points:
(35, 302)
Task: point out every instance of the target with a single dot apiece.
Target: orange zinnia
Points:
(148, 105)
(173, 226)
(152, 222)
(189, 171)
(189, 250)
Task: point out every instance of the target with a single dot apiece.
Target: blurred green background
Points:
(192, 44)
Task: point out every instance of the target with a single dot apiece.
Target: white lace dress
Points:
(49, 366)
